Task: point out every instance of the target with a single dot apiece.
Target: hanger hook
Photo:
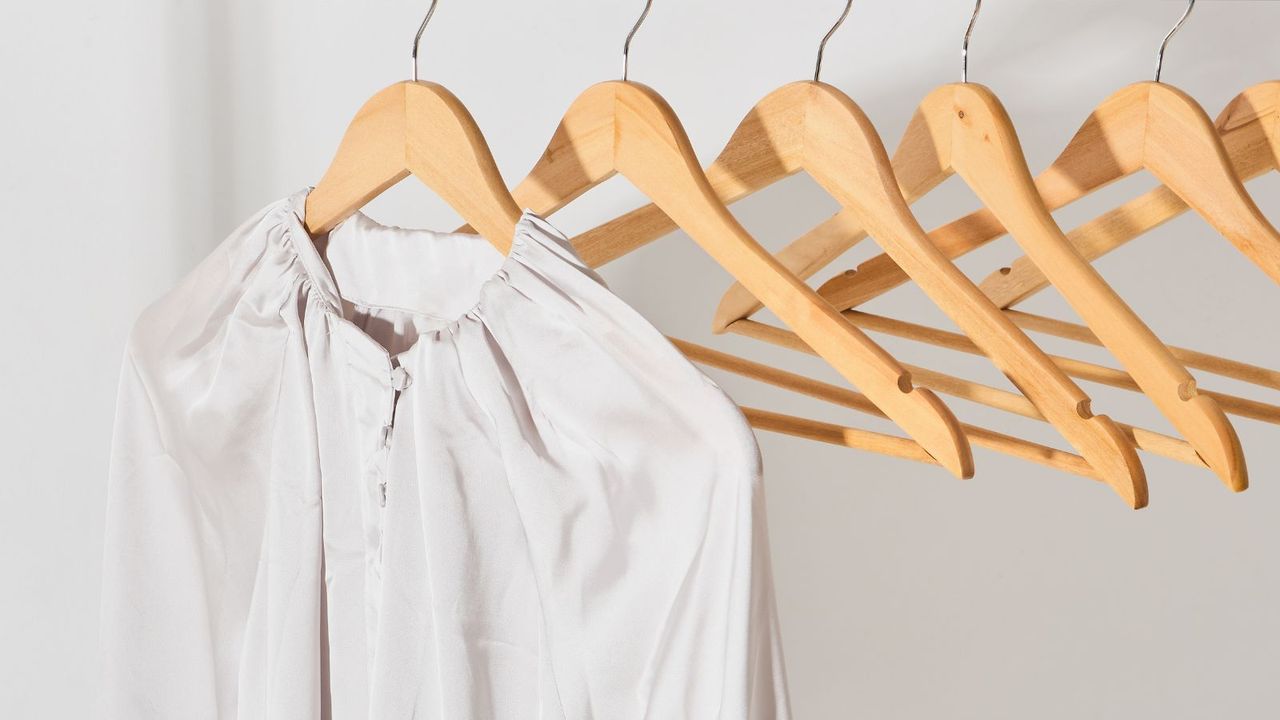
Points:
(1191, 4)
(417, 39)
(626, 46)
(822, 46)
(964, 47)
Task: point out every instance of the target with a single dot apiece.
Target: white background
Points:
(136, 135)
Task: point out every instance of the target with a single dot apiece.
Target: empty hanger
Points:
(622, 127)
(1154, 126)
(812, 127)
(415, 128)
(1250, 130)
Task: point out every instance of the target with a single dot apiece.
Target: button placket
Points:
(399, 380)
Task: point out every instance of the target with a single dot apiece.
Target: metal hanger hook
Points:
(822, 46)
(626, 45)
(1191, 4)
(417, 39)
(964, 47)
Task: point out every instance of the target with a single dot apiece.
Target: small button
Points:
(400, 379)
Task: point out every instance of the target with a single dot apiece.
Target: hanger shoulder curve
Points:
(1250, 130)
(1201, 164)
(417, 128)
(1185, 152)
(578, 157)
(369, 160)
(732, 176)
(1256, 104)
(1162, 129)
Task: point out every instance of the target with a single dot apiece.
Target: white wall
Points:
(137, 134)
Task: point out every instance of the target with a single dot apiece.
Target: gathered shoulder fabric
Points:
(395, 474)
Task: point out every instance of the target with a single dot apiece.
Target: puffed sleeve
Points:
(156, 659)
(188, 484)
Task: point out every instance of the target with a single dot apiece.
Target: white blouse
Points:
(403, 476)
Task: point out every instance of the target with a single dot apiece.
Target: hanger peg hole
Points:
(1187, 390)
(904, 383)
(960, 114)
(1006, 270)
(1085, 409)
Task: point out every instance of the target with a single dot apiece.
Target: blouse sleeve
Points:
(155, 649)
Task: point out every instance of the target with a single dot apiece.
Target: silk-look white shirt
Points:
(399, 475)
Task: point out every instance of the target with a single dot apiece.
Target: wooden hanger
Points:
(622, 127)
(416, 128)
(1249, 128)
(813, 127)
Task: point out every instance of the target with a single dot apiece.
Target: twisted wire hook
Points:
(417, 39)
(964, 47)
(1191, 4)
(626, 46)
(822, 46)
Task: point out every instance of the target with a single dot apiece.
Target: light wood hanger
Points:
(622, 127)
(1250, 130)
(815, 128)
(416, 128)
